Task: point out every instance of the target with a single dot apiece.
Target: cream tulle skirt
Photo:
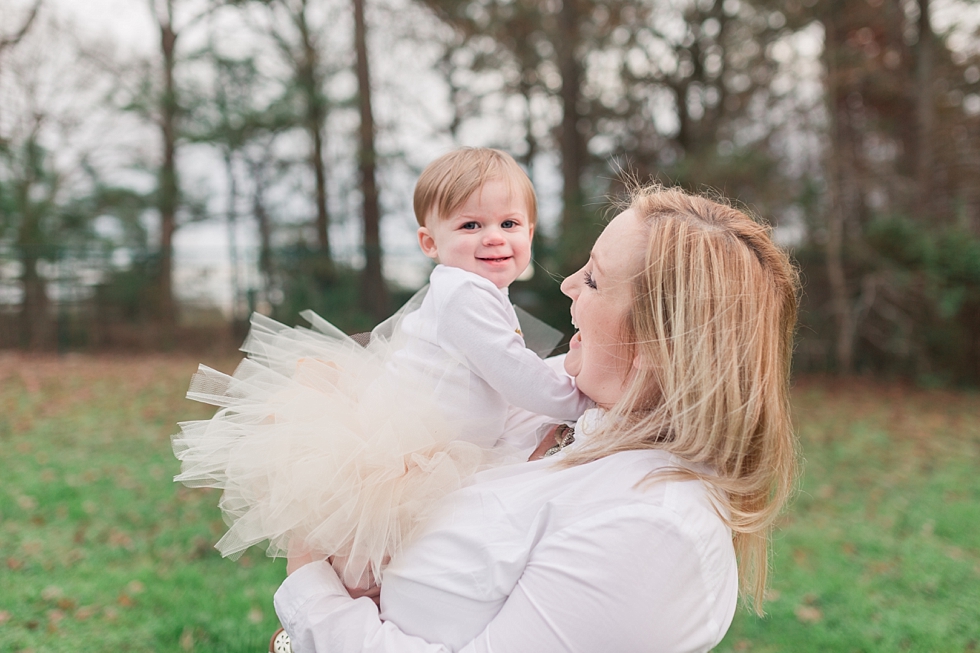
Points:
(317, 449)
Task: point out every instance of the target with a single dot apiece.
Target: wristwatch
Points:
(280, 642)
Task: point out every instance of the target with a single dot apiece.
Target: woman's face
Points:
(601, 293)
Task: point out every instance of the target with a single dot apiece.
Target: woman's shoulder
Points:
(555, 497)
(641, 478)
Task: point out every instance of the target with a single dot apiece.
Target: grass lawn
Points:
(99, 550)
(881, 549)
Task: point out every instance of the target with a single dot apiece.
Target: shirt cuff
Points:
(316, 581)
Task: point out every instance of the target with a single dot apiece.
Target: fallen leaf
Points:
(85, 612)
(187, 639)
(52, 592)
(26, 502)
(66, 604)
(118, 538)
(808, 614)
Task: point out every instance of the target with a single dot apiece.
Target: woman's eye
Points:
(589, 281)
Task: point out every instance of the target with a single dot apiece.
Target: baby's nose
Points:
(493, 236)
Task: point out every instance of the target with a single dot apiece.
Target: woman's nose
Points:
(569, 287)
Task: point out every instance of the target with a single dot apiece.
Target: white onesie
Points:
(466, 337)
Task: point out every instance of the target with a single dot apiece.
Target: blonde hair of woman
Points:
(709, 340)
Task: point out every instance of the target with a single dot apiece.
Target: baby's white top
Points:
(465, 337)
(536, 557)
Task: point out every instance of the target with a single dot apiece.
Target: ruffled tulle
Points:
(315, 447)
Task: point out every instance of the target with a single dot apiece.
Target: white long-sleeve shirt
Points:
(536, 557)
(466, 339)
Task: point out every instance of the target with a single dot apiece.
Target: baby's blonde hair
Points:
(448, 182)
(711, 327)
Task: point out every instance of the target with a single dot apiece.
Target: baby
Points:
(476, 211)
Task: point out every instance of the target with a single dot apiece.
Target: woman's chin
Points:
(573, 362)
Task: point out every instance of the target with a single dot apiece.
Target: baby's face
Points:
(490, 235)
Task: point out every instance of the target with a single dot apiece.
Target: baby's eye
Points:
(509, 224)
(589, 281)
(470, 225)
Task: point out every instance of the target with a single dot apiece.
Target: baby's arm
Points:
(476, 327)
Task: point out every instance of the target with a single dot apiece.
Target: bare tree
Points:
(166, 115)
(374, 293)
(537, 41)
(8, 41)
(48, 191)
(925, 108)
(301, 43)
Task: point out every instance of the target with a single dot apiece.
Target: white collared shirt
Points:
(537, 557)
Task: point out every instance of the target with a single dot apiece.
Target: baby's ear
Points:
(427, 243)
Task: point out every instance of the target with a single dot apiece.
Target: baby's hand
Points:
(373, 593)
(363, 584)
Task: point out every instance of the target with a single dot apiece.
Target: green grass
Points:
(99, 550)
(881, 549)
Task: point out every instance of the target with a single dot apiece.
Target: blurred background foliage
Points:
(853, 127)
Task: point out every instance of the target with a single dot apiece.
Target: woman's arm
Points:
(319, 615)
(631, 579)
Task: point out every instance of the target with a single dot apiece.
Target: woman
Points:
(636, 536)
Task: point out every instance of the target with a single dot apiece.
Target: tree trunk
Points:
(925, 112)
(257, 169)
(575, 232)
(169, 197)
(309, 82)
(838, 159)
(374, 294)
(236, 287)
(34, 323)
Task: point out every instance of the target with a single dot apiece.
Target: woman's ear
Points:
(428, 244)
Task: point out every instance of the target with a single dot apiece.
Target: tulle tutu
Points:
(316, 446)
